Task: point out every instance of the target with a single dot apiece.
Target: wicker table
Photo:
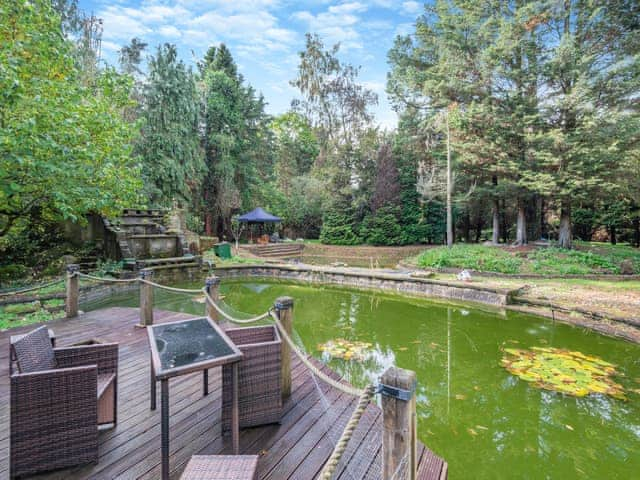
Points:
(188, 346)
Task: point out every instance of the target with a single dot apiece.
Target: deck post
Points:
(399, 442)
(284, 311)
(73, 290)
(146, 298)
(212, 285)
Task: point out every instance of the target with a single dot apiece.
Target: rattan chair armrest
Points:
(105, 356)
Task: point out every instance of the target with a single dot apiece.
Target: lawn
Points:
(586, 259)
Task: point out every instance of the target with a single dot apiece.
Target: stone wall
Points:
(360, 278)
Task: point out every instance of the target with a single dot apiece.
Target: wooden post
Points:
(284, 311)
(146, 298)
(73, 290)
(212, 285)
(399, 442)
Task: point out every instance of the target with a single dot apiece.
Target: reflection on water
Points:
(485, 422)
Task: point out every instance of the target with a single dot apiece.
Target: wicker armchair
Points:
(259, 377)
(59, 396)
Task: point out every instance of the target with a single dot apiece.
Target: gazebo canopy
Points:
(258, 215)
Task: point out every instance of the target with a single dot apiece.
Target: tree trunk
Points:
(466, 226)
(565, 235)
(449, 189)
(612, 235)
(636, 231)
(479, 225)
(208, 228)
(503, 221)
(521, 225)
(495, 238)
(543, 224)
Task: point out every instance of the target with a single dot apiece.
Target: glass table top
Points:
(184, 343)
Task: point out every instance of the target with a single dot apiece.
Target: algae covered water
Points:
(484, 421)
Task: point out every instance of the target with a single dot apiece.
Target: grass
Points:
(24, 314)
(586, 259)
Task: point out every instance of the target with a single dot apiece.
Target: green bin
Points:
(222, 250)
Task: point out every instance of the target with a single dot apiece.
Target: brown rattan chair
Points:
(221, 467)
(59, 396)
(259, 377)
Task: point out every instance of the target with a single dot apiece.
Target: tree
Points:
(130, 57)
(237, 141)
(173, 160)
(337, 107)
(64, 147)
(296, 148)
(589, 77)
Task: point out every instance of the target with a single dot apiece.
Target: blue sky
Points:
(265, 35)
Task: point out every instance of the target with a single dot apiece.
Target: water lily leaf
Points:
(460, 396)
(569, 427)
(345, 349)
(565, 371)
(472, 432)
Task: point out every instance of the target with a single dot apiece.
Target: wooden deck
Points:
(295, 449)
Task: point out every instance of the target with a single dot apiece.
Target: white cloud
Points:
(347, 8)
(169, 31)
(411, 8)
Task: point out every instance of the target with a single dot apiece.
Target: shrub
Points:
(382, 228)
(337, 228)
(474, 257)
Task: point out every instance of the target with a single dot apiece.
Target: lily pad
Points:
(564, 371)
(345, 349)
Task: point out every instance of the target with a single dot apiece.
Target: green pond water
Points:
(484, 421)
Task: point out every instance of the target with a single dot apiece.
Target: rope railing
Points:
(280, 316)
(170, 289)
(104, 279)
(348, 389)
(330, 467)
(31, 289)
(231, 318)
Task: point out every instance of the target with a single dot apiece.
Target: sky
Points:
(265, 36)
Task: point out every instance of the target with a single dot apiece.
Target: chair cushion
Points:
(221, 467)
(34, 351)
(104, 380)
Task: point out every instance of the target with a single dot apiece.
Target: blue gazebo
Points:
(258, 216)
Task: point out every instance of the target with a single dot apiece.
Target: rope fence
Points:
(330, 467)
(365, 395)
(348, 389)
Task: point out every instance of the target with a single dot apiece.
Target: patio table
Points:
(188, 346)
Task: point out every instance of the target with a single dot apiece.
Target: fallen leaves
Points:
(564, 371)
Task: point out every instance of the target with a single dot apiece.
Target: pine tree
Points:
(170, 144)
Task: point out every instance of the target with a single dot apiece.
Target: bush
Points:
(382, 228)
(337, 228)
(474, 257)
(569, 262)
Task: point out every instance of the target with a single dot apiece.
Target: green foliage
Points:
(382, 227)
(64, 147)
(237, 141)
(585, 260)
(173, 160)
(474, 257)
(338, 226)
(569, 262)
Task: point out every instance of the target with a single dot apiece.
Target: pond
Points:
(471, 411)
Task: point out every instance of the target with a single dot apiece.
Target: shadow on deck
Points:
(297, 448)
